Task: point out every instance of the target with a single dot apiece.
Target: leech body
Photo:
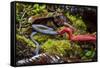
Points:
(86, 37)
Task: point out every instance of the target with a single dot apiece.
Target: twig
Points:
(20, 23)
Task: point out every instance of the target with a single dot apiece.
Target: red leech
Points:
(86, 37)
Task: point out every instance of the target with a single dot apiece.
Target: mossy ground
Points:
(58, 45)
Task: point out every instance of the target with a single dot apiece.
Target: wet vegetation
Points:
(54, 45)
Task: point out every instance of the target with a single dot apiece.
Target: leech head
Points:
(66, 30)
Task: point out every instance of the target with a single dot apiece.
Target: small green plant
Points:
(39, 9)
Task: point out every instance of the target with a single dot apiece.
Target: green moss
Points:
(58, 47)
(90, 54)
(39, 8)
(61, 47)
(77, 22)
(42, 38)
(25, 40)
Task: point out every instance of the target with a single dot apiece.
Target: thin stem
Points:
(20, 23)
